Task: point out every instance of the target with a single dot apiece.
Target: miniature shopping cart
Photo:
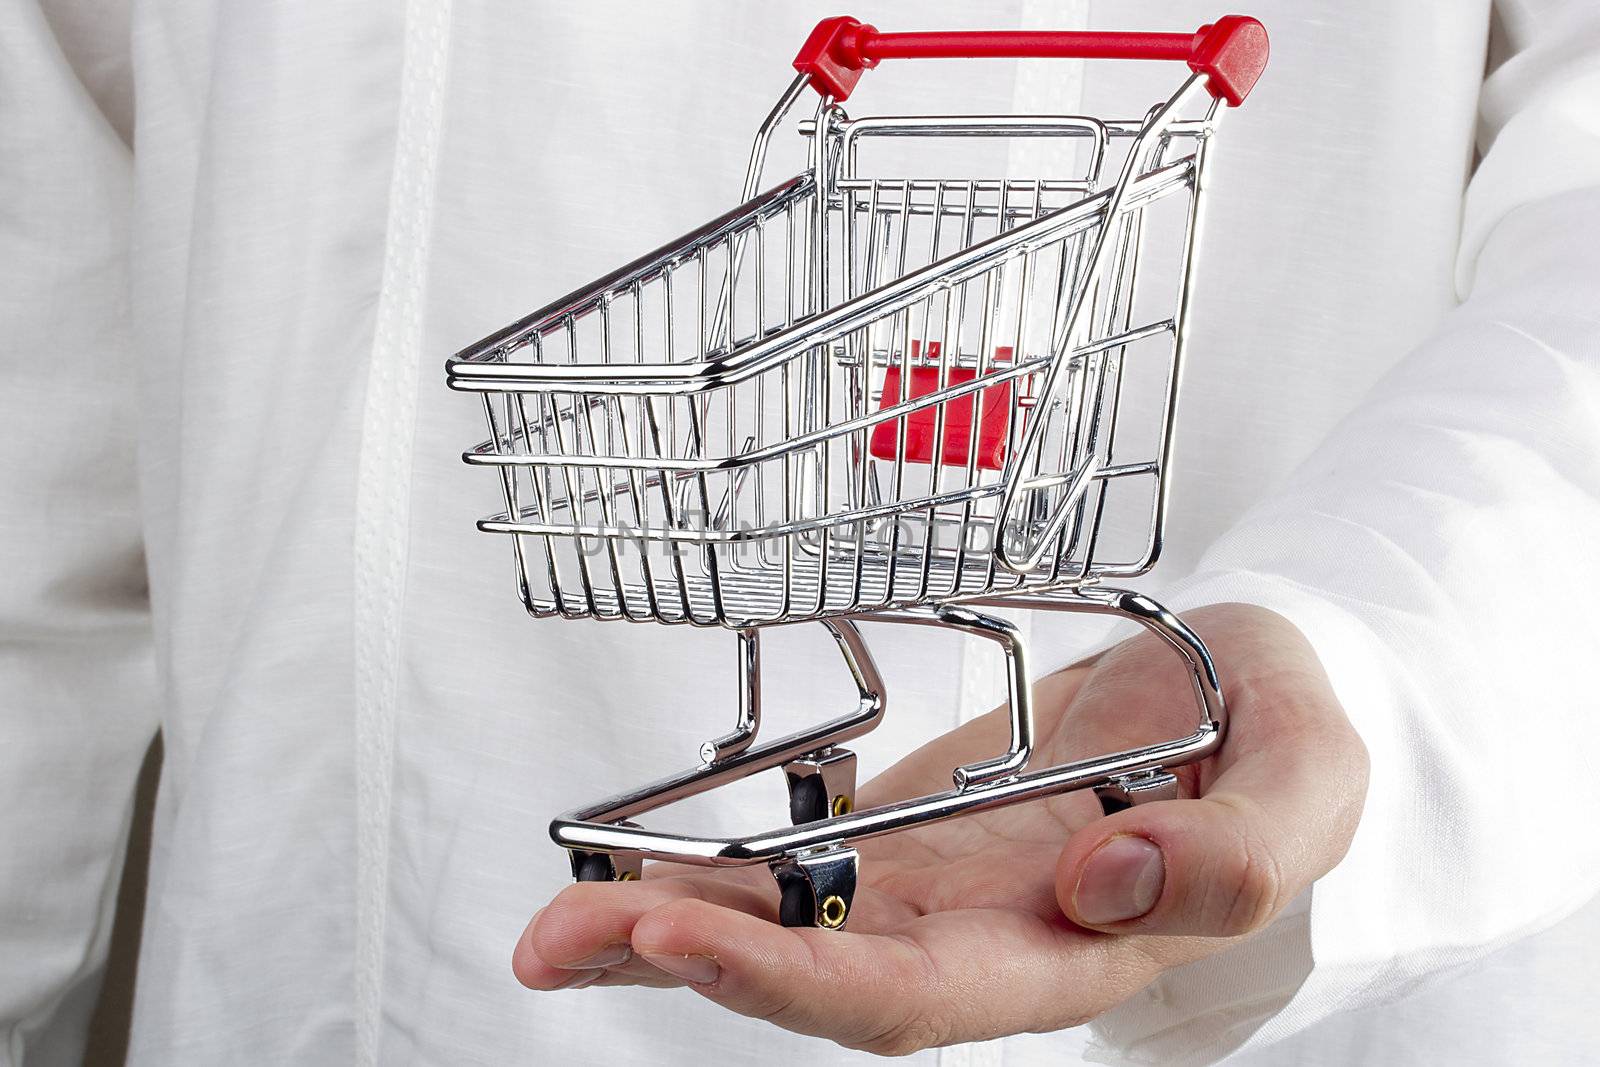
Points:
(867, 395)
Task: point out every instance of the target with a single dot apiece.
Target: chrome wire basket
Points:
(869, 395)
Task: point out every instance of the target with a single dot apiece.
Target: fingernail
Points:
(581, 979)
(1121, 880)
(701, 970)
(610, 956)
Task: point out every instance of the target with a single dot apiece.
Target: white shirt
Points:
(239, 241)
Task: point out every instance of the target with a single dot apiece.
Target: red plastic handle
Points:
(1231, 52)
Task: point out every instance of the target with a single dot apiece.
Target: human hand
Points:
(1028, 918)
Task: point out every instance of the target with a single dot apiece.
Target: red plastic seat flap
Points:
(994, 415)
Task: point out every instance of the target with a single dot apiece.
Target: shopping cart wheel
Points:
(821, 785)
(817, 888)
(1141, 787)
(605, 867)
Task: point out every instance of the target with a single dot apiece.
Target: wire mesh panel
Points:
(860, 390)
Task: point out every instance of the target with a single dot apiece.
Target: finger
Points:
(536, 973)
(532, 970)
(956, 976)
(588, 925)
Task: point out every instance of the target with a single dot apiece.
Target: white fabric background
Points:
(241, 238)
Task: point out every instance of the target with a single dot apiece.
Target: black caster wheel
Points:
(604, 867)
(817, 889)
(797, 906)
(1111, 803)
(821, 785)
(808, 800)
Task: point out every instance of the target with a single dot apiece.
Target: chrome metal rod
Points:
(700, 375)
(868, 714)
(595, 828)
(1067, 317)
(1019, 687)
(574, 831)
(748, 722)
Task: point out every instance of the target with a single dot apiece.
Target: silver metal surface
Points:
(866, 395)
(596, 827)
(1143, 787)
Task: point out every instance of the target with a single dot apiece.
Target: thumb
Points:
(1278, 814)
(1225, 864)
(1210, 867)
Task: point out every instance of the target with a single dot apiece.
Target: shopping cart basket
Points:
(859, 396)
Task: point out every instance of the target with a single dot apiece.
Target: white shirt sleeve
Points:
(1440, 552)
(77, 678)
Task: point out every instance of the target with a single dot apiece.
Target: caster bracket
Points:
(817, 888)
(1140, 787)
(822, 785)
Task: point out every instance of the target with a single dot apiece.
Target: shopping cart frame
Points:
(813, 859)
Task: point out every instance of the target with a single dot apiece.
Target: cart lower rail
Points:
(815, 867)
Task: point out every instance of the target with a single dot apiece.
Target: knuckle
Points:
(1252, 891)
